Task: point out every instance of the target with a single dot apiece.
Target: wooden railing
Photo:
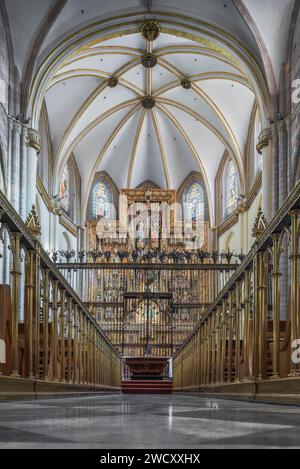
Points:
(48, 332)
(248, 334)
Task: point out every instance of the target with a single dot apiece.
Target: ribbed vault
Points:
(143, 109)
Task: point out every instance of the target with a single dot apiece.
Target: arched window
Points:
(194, 202)
(64, 190)
(231, 188)
(101, 201)
(257, 156)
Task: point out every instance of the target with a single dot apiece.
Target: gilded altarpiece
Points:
(145, 310)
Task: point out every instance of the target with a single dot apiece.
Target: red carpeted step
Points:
(146, 387)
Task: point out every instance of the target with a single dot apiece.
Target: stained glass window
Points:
(231, 185)
(102, 201)
(194, 203)
(64, 189)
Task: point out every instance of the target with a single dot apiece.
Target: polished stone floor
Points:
(147, 421)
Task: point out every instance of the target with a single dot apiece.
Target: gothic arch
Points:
(219, 181)
(194, 177)
(103, 176)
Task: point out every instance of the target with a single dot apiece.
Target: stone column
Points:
(23, 173)
(265, 148)
(15, 164)
(282, 147)
(275, 171)
(33, 148)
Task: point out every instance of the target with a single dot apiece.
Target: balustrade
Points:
(54, 337)
(248, 333)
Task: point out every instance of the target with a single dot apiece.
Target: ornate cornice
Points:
(228, 223)
(68, 224)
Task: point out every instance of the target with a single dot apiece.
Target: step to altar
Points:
(147, 387)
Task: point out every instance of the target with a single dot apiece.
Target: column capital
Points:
(34, 140)
(16, 127)
(263, 139)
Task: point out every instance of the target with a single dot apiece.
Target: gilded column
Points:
(246, 344)
(213, 346)
(75, 346)
(276, 306)
(223, 340)
(37, 313)
(29, 305)
(262, 315)
(45, 321)
(237, 331)
(230, 336)
(54, 328)
(62, 334)
(70, 340)
(15, 298)
(294, 298)
(218, 343)
(80, 345)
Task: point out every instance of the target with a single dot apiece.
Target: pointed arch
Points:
(193, 198)
(103, 198)
(226, 199)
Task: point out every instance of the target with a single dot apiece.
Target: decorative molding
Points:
(67, 223)
(33, 223)
(228, 223)
(44, 194)
(148, 184)
(150, 30)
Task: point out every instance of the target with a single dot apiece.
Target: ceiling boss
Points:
(150, 30)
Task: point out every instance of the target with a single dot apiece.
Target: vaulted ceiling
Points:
(187, 129)
(186, 125)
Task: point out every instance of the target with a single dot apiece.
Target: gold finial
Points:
(260, 224)
(33, 224)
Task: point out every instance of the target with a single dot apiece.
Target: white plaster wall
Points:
(239, 237)
(66, 240)
(45, 220)
(252, 212)
(231, 239)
